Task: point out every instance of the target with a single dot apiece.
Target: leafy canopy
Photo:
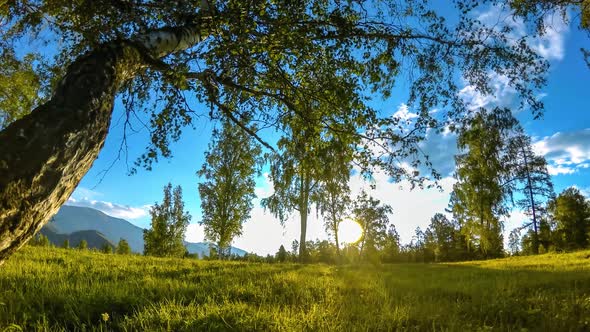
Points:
(268, 61)
(227, 191)
(480, 196)
(374, 219)
(571, 211)
(165, 238)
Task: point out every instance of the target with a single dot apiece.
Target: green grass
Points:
(67, 290)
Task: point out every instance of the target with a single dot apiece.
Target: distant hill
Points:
(71, 220)
(94, 239)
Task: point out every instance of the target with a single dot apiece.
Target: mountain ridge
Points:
(72, 219)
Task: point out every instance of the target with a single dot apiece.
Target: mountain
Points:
(94, 239)
(202, 248)
(70, 220)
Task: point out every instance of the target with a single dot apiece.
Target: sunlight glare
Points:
(349, 231)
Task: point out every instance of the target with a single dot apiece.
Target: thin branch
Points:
(239, 123)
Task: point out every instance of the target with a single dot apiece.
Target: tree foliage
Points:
(313, 168)
(571, 211)
(83, 245)
(392, 246)
(40, 240)
(531, 179)
(374, 219)
(443, 234)
(259, 55)
(498, 164)
(304, 68)
(227, 191)
(333, 197)
(19, 86)
(564, 227)
(165, 238)
(480, 196)
(123, 247)
(295, 174)
(106, 248)
(514, 241)
(282, 254)
(537, 12)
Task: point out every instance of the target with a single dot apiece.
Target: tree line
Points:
(497, 171)
(122, 247)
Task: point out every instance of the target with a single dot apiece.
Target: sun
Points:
(349, 231)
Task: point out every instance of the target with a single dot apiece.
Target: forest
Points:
(293, 92)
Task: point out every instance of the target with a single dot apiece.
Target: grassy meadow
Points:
(52, 289)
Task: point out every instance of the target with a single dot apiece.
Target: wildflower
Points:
(105, 317)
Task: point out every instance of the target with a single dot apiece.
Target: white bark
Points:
(166, 41)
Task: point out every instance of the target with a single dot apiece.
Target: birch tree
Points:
(165, 237)
(481, 196)
(227, 191)
(374, 219)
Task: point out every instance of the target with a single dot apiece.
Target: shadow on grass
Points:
(468, 297)
(72, 293)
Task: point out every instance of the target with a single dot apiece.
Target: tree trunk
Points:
(44, 155)
(363, 239)
(335, 229)
(220, 251)
(303, 245)
(336, 239)
(532, 200)
(303, 211)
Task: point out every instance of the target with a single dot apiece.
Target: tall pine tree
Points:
(531, 179)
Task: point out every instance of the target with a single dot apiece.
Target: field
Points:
(50, 289)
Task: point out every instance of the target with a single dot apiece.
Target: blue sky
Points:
(563, 136)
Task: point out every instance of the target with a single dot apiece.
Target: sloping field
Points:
(56, 290)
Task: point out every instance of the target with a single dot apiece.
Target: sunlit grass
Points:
(65, 290)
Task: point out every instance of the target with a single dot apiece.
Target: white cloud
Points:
(566, 152)
(85, 193)
(517, 219)
(403, 113)
(264, 187)
(550, 45)
(194, 233)
(502, 94)
(112, 209)
(557, 170)
(583, 191)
